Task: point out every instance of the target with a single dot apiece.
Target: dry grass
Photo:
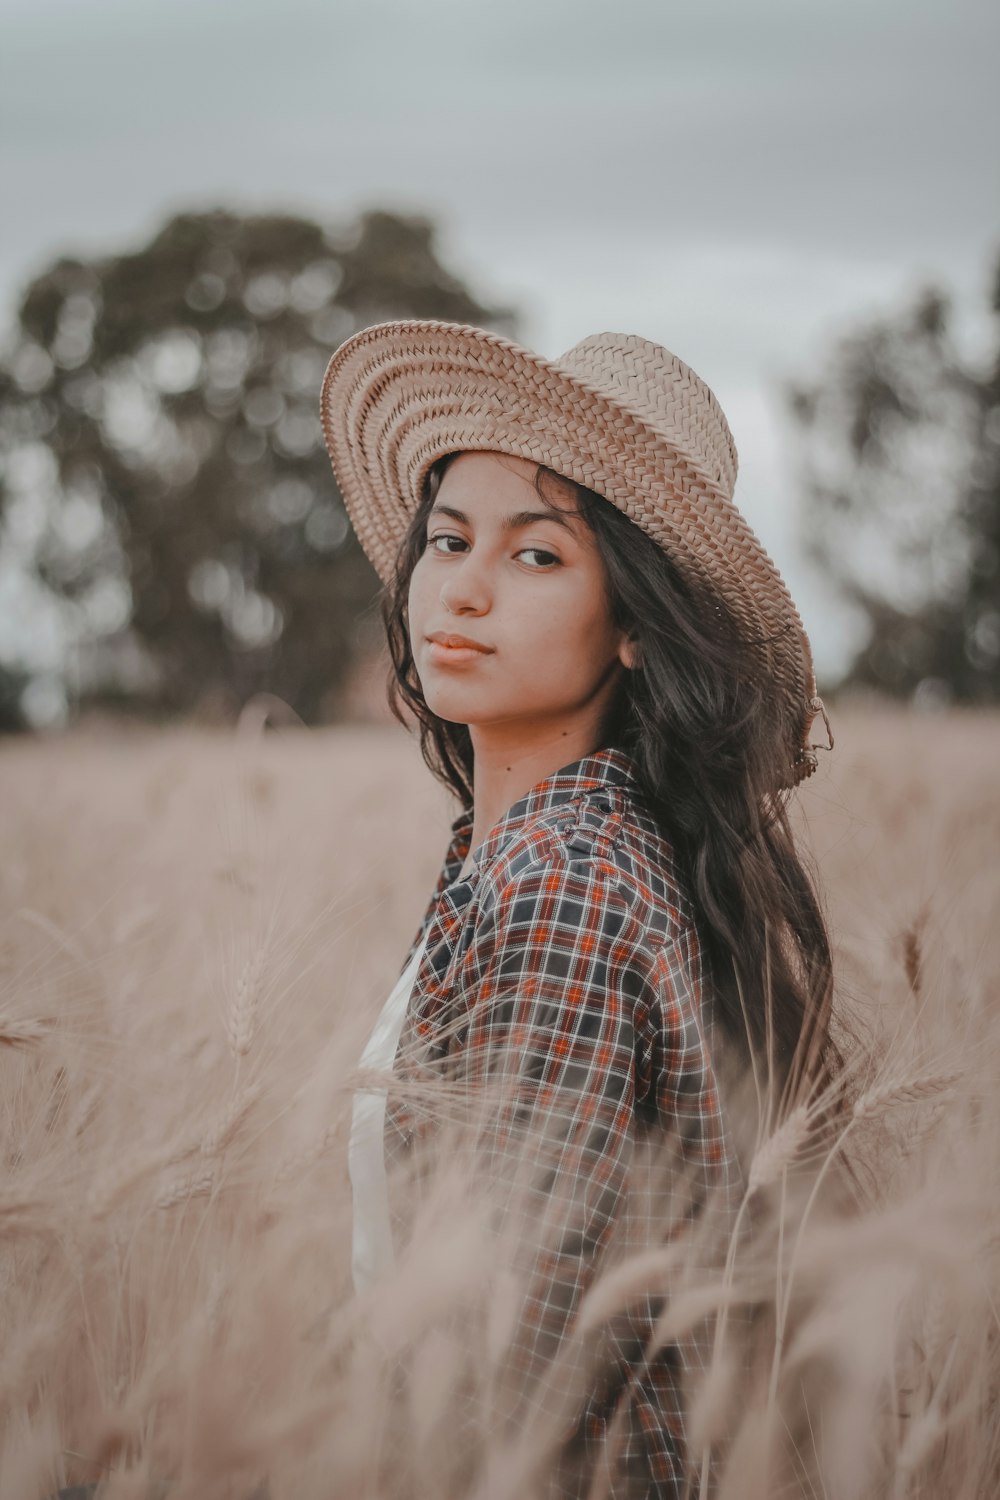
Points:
(197, 932)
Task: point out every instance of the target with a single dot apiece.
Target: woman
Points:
(609, 673)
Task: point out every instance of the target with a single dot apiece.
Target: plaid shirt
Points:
(567, 962)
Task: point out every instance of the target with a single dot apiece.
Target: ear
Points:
(628, 651)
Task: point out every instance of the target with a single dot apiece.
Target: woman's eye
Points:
(443, 536)
(540, 552)
(548, 558)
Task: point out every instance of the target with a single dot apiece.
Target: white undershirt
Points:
(371, 1246)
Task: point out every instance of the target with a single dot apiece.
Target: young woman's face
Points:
(530, 591)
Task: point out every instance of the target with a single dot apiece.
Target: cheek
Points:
(582, 627)
(567, 656)
(417, 591)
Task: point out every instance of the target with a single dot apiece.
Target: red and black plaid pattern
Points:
(566, 969)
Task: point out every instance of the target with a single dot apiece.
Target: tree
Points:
(161, 448)
(900, 464)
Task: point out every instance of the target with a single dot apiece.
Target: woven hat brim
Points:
(399, 395)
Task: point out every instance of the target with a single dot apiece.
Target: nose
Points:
(466, 590)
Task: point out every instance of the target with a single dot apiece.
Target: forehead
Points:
(493, 483)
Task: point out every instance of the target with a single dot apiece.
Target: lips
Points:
(447, 638)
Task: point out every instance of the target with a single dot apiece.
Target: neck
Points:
(504, 772)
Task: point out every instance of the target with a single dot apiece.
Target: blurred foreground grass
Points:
(197, 931)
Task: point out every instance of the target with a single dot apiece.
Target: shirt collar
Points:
(608, 766)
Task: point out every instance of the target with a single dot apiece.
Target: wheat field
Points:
(198, 929)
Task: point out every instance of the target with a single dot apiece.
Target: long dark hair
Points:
(696, 719)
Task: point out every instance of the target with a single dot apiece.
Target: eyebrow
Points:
(512, 522)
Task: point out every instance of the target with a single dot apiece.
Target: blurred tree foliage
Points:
(900, 447)
(162, 458)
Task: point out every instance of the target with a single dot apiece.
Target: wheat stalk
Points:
(308, 1154)
(913, 962)
(20, 1210)
(780, 1148)
(183, 1189)
(15, 1032)
(112, 1184)
(908, 1089)
(643, 1272)
(228, 1121)
(937, 1329)
(241, 1022)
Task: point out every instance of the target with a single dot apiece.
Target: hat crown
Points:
(665, 392)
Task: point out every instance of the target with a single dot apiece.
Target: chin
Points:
(450, 706)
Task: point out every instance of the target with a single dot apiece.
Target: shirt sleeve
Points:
(553, 988)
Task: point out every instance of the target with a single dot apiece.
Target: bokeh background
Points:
(200, 921)
(200, 203)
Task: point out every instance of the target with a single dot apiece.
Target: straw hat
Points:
(619, 414)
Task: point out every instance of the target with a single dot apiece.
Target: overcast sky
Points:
(738, 181)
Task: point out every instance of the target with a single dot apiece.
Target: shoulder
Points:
(597, 854)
